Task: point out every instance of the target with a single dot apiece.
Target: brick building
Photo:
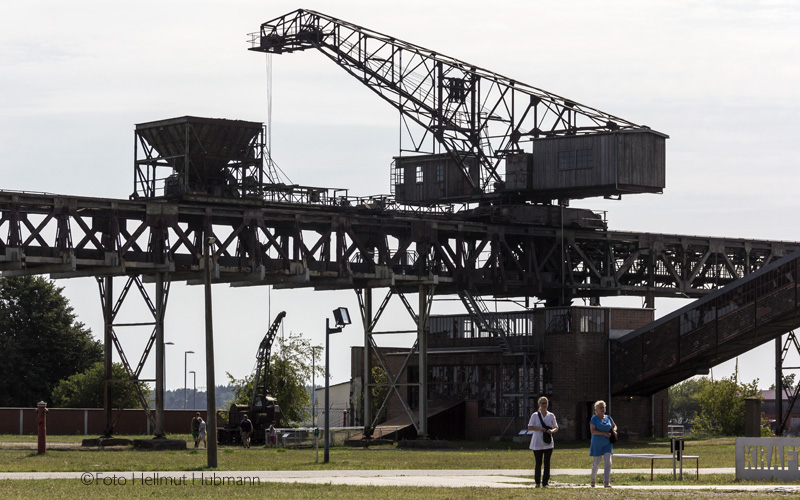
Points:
(481, 386)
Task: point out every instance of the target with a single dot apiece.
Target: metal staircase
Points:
(485, 321)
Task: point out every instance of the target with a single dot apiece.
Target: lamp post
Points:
(342, 318)
(165, 364)
(314, 384)
(314, 398)
(185, 356)
(164, 372)
(194, 389)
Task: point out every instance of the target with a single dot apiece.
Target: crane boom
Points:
(456, 107)
(261, 376)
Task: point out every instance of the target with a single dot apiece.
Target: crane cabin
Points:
(563, 167)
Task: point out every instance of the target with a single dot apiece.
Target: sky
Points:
(721, 78)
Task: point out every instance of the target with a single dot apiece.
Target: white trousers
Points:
(606, 467)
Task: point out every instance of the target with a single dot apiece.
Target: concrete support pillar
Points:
(752, 417)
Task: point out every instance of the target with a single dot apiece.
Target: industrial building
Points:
(479, 388)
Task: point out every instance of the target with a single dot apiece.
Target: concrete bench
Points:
(653, 457)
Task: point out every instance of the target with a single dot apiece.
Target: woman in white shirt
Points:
(544, 425)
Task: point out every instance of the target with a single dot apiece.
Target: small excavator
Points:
(263, 408)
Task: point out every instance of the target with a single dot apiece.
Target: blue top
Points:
(600, 444)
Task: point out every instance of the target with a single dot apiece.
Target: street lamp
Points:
(314, 385)
(185, 355)
(342, 318)
(165, 364)
(194, 389)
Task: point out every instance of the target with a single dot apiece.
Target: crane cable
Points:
(274, 172)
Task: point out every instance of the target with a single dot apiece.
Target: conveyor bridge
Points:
(720, 326)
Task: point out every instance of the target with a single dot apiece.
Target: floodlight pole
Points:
(326, 437)
(341, 321)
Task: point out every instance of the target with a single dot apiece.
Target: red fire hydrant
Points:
(41, 420)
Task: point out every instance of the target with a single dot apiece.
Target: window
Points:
(566, 160)
(439, 173)
(419, 174)
(570, 160)
(399, 176)
(593, 320)
(557, 320)
(583, 158)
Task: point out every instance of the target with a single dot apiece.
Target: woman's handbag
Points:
(546, 436)
(613, 437)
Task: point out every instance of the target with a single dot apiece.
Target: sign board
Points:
(767, 458)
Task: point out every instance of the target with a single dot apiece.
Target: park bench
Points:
(653, 457)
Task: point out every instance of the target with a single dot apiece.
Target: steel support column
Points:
(159, 327)
(422, 342)
(368, 327)
(108, 307)
(779, 386)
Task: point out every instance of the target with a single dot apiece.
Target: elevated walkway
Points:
(720, 326)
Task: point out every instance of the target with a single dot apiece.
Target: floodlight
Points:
(341, 316)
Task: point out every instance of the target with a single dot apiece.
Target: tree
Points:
(787, 381)
(41, 342)
(722, 405)
(683, 403)
(290, 369)
(85, 389)
(378, 393)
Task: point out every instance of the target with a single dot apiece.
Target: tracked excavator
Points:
(263, 408)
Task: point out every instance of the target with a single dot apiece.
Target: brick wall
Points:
(630, 319)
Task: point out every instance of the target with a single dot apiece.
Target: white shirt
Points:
(537, 440)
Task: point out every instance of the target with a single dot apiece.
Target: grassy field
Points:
(73, 489)
(18, 455)
(462, 455)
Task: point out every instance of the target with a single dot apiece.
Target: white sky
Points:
(720, 77)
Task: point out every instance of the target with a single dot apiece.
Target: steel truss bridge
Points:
(327, 247)
(290, 245)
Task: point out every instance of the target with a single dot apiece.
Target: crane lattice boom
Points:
(446, 105)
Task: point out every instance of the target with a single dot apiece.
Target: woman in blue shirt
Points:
(601, 426)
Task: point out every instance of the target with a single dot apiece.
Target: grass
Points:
(292, 491)
(16, 455)
(463, 455)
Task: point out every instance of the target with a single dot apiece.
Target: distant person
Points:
(196, 428)
(201, 436)
(247, 428)
(273, 435)
(544, 425)
(602, 427)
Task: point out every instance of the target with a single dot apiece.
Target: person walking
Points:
(544, 425)
(247, 427)
(196, 428)
(272, 435)
(604, 433)
(201, 435)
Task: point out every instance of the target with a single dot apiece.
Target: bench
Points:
(653, 457)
